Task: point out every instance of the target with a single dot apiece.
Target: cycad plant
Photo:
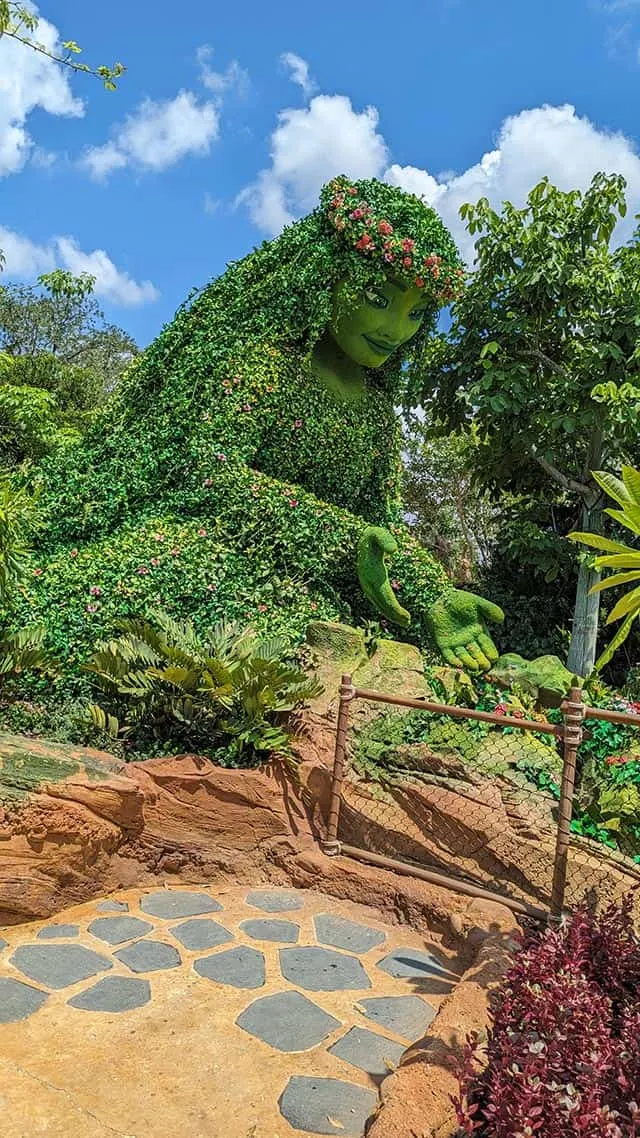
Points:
(624, 559)
(224, 693)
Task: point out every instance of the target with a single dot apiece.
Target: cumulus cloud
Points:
(25, 260)
(299, 71)
(156, 136)
(234, 77)
(28, 80)
(308, 147)
(311, 145)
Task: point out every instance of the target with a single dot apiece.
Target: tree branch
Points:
(545, 359)
(562, 479)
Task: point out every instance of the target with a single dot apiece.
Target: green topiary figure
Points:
(248, 465)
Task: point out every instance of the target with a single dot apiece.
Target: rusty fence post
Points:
(574, 710)
(331, 845)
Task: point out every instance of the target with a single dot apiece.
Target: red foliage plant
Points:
(563, 1055)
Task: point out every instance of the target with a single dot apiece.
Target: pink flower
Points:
(92, 608)
(338, 201)
(500, 709)
(221, 457)
(202, 533)
(208, 482)
(356, 215)
(419, 282)
(389, 258)
(237, 379)
(352, 190)
(74, 553)
(159, 536)
(37, 572)
(142, 570)
(432, 260)
(293, 501)
(211, 588)
(262, 608)
(155, 561)
(297, 424)
(385, 228)
(246, 407)
(95, 591)
(269, 388)
(395, 584)
(407, 244)
(176, 551)
(313, 605)
(407, 262)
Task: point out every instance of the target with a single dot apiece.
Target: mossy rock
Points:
(546, 678)
(26, 765)
(336, 641)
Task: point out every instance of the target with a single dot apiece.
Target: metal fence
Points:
(490, 804)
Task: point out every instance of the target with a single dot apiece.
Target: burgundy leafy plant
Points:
(563, 1055)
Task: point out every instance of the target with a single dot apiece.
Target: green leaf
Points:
(627, 604)
(596, 541)
(629, 560)
(615, 579)
(631, 479)
(612, 486)
(619, 638)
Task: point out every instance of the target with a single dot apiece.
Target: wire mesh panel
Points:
(604, 851)
(471, 795)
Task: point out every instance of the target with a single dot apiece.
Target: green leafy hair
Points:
(282, 293)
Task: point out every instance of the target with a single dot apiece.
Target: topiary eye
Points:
(375, 298)
(417, 314)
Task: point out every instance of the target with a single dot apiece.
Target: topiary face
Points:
(387, 316)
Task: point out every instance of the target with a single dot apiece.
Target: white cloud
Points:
(210, 204)
(26, 260)
(299, 69)
(552, 141)
(156, 136)
(308, 147)
(28, 80)
(235, 77)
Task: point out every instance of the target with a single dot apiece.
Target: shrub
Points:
(562, 1058)
(223, 693)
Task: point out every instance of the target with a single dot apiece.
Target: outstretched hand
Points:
(458, 627)
(374, 546)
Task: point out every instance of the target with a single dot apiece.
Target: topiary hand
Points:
(373, 547)
(457, 623)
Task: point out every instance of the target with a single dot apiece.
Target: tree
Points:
(448, 512)
(59, 359)
(541, 355)
(20, 23)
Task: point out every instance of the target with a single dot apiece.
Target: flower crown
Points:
(355, 221)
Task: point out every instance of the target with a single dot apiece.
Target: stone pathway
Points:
(197, 1013)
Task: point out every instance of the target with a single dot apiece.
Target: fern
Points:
(164, 684)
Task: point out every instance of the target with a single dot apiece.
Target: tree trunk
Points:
(584, 635)
(582, 651)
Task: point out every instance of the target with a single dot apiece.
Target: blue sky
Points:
(231, 116)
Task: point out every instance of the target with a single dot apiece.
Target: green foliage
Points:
(24, 651)
(20, 22)
(226, 690)
(58, 361)
(624, 559)
(512, 365)
(18, 519)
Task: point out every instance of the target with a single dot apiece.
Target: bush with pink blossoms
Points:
(563, 1056)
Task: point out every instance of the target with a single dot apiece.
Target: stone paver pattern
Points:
(142, 1015)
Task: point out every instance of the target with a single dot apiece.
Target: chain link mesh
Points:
(479, 801)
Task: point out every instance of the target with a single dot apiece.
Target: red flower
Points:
(407, 244)
(221, 458)
(262, 608)
(385, 228)
(500, 709)
(352, 190)
(293, 501)
(356, 215)
(297, 424)
(338, 201)
(419, 282)
(37, 572)
(74, 553)
(365, 243)
(202, 533)
(433, 259)
(407, 262)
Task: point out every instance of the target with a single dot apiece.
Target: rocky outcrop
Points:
(75, 822)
